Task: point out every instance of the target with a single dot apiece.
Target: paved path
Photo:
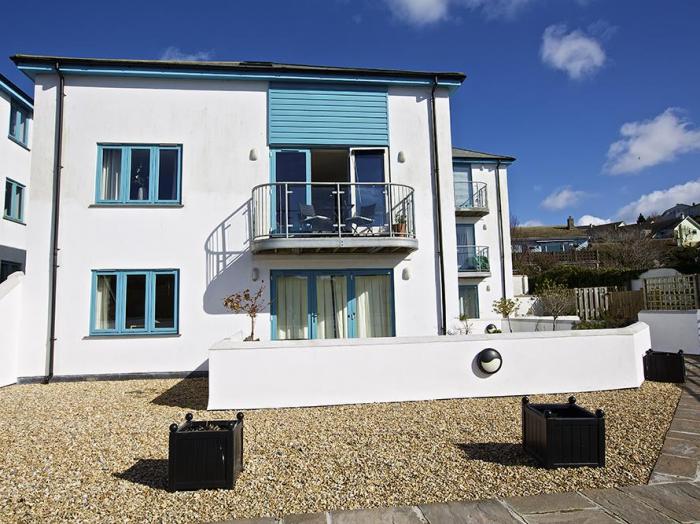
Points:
(672, 496)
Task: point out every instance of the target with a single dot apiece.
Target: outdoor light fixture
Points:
(255, 274)
(488, 287)
(484, 227)
(491, 328)
(489, 361)
(253, 154)
(406, 273)
(402, 157)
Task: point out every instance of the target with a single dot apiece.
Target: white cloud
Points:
(424, 12)
(660, 200)
(531, 223)
(575, 52)
(591, 220)
(176, 54)
(647, 143)
(562, 198)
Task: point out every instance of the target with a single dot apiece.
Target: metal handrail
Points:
(337, 208)
(477, 196)
(473, 258)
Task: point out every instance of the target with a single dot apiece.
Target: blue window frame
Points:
(134, 302)
(14, 201)
(332, 303)
(19, 124)
(138, 174)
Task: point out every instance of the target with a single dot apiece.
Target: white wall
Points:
(673, 330)
(422, 368)
(218, 123)
(10, 311)
(14, 164)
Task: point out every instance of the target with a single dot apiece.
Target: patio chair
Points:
(364, 220)
(313, 221)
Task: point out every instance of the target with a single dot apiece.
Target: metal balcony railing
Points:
(327, 209)
(473, 259)
(471, 196)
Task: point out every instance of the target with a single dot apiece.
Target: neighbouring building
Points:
(16, 108)
(181, 183)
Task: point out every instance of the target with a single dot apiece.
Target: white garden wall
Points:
(321, 372)
(10, 311)
(673, 330)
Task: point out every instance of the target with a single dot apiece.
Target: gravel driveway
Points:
(97, 451)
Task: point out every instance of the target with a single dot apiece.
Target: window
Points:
(138, 174)
(8, 267)
(14, 201)
(469, 301)
(332, 304)
(19, 126)
(134, 302)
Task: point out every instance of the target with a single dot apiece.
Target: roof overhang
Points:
(16, 93)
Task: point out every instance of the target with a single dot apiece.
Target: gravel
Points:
(97, 452)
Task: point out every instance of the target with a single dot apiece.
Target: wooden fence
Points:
(671, 293)
(594, 303)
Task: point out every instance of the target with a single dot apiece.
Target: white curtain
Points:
(332, 306)
(111, 173)
(373, 298)
(292, 308)
(105, 301)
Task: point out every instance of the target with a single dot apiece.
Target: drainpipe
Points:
(499, 211)
(58, 143)
(438, 211)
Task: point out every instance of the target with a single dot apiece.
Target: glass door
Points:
(466, 247)
(291, 304)
(464, 193)
(373, 304)
(293, 167)
(370, 195)
(332, 316)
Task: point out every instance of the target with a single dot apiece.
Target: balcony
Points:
(296, 217)
(471, 199)
(473, 261)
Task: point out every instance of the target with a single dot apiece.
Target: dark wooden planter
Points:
(205, 454)
(563, 435)
(664, 367)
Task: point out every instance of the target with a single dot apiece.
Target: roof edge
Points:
(15, 91)
(459, 153)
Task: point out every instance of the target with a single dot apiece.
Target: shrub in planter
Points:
(205, 454)
(563, 435)
(664, 367)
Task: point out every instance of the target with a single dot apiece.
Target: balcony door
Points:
(325, 304)
(291, 169)
(466, 247)
(464, 192)
(370, 196)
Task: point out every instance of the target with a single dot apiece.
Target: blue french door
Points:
(466, 248)
(332, 304)
(464, 193)
(292, 166)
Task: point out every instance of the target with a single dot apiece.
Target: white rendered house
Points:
(162, 187)
(16, 109)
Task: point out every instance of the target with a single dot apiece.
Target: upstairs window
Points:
(14, 201)
(19, 127)
(138, 174)
(134, 302)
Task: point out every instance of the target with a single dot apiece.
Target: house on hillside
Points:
(183, 182)
(550, 239)
(16, 111)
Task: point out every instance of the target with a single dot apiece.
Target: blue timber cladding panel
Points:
(302, 115)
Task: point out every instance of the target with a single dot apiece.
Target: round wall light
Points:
(489, 361)
(402, 157)
(491, 329)
(253, 155)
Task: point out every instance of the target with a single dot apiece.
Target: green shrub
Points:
(573, 276)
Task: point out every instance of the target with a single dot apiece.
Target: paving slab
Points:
(309, 518)
(625, 507)
(400, 515)
(549, 502)
(685, 426)
(688, 413)
(584, 516)
(680, 501)
(686, 467)
(681, 447)
(482, 512)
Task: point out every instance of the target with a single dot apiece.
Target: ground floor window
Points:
(469, 301)
(8, 267)
(332, 304)
(134, 302)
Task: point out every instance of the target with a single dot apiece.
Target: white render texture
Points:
(10, 311)
(251, 375)
(217, 123)
(673, 330)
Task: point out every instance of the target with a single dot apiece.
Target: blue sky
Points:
(597, 99)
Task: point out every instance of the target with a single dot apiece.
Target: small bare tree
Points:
(249, 303)
(556, 300)
(632, 248)
(505, 307)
